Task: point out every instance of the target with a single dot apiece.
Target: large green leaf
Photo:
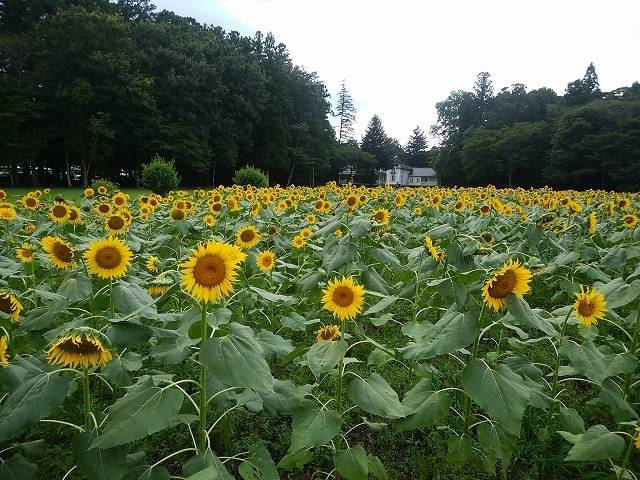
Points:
(374, 395)
(32, 400)
(206, 462)
(612, 396)
(237, 359)
(129, 297)
(376, 468)
(426, 407)
(500, 392)
(596, 444)
(173, 350)
(144, 410)
(587, 360)
(381, 305)
(98, 463)
(75, 288)
(272, 297)
(324, 356)
(119, 369)
(258, 465)
(453, 331)
(274, 346)
(524, 315)
(497, 443)
(284, 399)
(313, 426)
(619, 293)
(352, 463)
(18, 468)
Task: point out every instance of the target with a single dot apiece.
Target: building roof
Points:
(423, 172)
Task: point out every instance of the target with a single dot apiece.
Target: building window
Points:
(393, 177)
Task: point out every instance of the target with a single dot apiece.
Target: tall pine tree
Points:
(376, 142)
(584, 89)
(347, 113)
(416, 150)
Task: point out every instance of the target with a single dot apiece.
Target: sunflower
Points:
(630, 221)
(209, 220)
(306, 232)
(102, 190)
(637, 440)
(488, 238)
(78, 349)
(177, 214)
(381, 216)
(339, 233)
(4, 346)
(74, 215)
(152, 264)
(343, 298)
(108, 258)
(60, 252)
(298, 241)
(485, 209)
(513, 277)
(247, 237)
(592, 223)
(25, 252)
(352, 202)
(210, 272)
(115, 225)
(88, 192)
(328, 333)
(3, 194)
(30, 202)
(590, 306)
(103, 208)
(120, 199)
(623, 203)
(10, 305)
(59, 212)
(28, 229)
(311, 219)
(432, 248)
(266, 260)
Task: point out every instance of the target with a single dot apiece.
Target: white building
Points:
(409, 176)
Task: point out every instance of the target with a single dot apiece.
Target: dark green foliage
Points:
(416, 150)
(585, 139)
(249, 175)
(160, 176)
(102, 182)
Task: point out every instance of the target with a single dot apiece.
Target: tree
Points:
(347, 114)
(483, 92)
(376, 142)
(416, 150)
(584, 89)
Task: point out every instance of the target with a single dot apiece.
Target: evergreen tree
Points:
(584, 89)
(416, 150)
(376, 142)
(347, 113)
(483, 92)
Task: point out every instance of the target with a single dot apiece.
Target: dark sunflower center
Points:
(30, 202)
(84, 347)
(216, 207)
(487, 237)
(267, 261)
(247, 235)
(503, 284)
(343, 296)
(59, 211)
(118, 201)
(26, 253)
(351, 201)
(116, 223)
(5, 304)
(484, 209)
(73, 215)
(379, 216)
(108, 257)
(628, 220)
(586, 308)
(326, 333)
(103, 208)
(209, 271)
(177, 215)
(62, 252)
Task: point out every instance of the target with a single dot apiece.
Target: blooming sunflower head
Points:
(4, 346)
(299, 241)
(59, 252)
(247, 237)
(343, 298)
(630, 221)
(590, 306)
(211, 271)
(381, 216)
(10, 305)
(81, 348)
(108, 258)
(59, 212)
(25, 252)
(177, 214)
(328, 333)
(512, 277)
(74, 215)
(209, 220)
(30, 202)
(103, 208)
(266, 260)
(115, 224)
(306, 232)
(88, 192)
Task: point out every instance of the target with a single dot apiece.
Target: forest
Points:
(95, 88)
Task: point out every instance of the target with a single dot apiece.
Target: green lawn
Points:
(68, 193)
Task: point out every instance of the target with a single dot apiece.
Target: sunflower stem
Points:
(634, 346)
(625, 462)
(474, 354)
(10, 341)
(415, 300)
(111, 298)
(87, 400)
(203, 382)
(554, 386)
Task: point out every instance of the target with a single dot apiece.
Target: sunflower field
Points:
(337, 332)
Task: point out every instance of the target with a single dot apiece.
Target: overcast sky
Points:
(400, 57)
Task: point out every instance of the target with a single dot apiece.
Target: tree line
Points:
(585, 138)
(96, 88)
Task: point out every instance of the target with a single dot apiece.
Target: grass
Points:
(73, 193)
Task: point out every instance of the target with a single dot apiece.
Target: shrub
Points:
(103, 182)
(160, 176)
(249, 175)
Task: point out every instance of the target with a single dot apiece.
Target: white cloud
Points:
(399, 58)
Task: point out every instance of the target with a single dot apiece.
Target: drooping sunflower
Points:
(630, 221)
(433, 249)
(74, 215)
(344, 298)
(10, 305)
(592, 223)
(266, 260)
(115, 225)
(637, 439)
(108, 258)
(4, 346)
(59, 252)
(590, 306)
(488, 238)
(79, 349)
(247, 237)
(381, 216)
(59, 212)
(25, 252)
(328, 333)
(152, 264)
(513, 277)
(211, 271)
